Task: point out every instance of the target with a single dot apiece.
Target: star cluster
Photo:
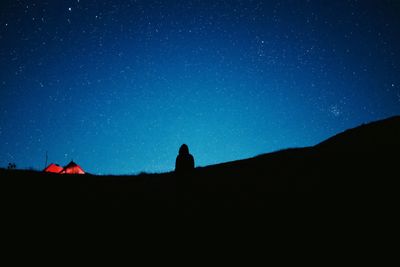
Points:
(118, 86)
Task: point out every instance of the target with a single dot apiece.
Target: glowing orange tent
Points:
(53, 168)
(72, 168)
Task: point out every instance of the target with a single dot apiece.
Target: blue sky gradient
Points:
(118, 86)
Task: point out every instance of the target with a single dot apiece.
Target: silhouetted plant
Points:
(11, 166)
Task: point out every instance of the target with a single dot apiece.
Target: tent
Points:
(72, 168)
(53, 168)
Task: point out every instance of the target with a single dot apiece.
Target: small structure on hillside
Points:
(71, 168)
(54, 168)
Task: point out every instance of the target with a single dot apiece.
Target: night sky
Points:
(118, 86)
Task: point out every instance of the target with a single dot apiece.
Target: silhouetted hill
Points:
(382, 133)
(362, 159)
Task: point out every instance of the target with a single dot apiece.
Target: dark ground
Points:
(363, 160)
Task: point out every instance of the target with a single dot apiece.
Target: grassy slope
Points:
(360, 159)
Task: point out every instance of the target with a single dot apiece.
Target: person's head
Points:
(184, 150)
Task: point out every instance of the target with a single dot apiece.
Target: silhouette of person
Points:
(184, 161)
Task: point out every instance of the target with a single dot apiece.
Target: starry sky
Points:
(118, 86)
